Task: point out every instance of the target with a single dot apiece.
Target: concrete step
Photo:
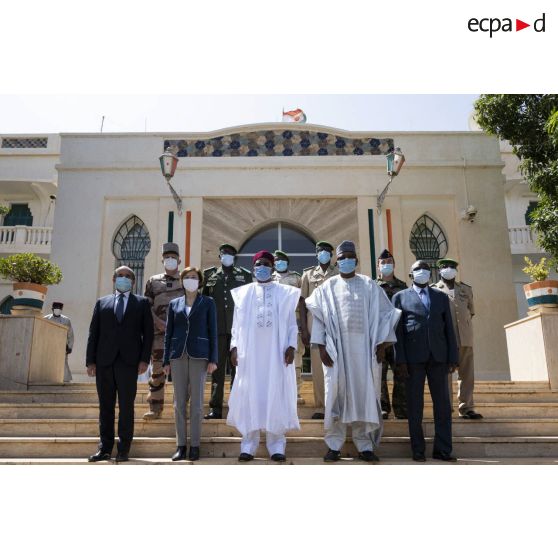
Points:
(469, 447)
(265, 461)
(90, 410)
(88, 394)
(41, 427)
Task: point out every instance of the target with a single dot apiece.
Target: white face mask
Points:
(448, 273)
(227, 259)
(57, 311)
(191, 285)
(421, 276)
(171, 264)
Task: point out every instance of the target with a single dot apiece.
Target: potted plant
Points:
(541, 292)
(30, 275)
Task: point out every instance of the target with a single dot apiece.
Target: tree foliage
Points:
(530, 124)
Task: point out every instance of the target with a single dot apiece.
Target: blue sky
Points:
(198, 113)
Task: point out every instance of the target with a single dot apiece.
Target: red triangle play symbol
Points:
(519, 25)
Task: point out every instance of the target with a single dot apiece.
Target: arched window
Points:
(428, 242)
(130, 246)
(300, 248)
(6, 305)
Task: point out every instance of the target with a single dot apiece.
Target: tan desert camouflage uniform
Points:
(160, 290)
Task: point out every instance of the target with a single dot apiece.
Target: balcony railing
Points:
(19, 238)
(523, 241)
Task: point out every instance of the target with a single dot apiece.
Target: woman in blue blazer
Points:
(191, 353)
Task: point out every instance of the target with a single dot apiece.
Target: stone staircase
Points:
(58, 424)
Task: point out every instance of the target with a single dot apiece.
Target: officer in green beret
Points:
(462, 312)
(313, 277)
(391, 285)
(218, 283)
(160, 290)
(282, 274)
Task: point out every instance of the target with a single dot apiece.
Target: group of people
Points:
(257, 324)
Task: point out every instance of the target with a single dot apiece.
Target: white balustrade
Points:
(19, 238)
(523, 241)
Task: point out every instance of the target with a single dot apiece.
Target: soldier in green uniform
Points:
(282, 274)
(218, 282)
(391, 285)
(462, 312)
(312, 278)
(160, 290)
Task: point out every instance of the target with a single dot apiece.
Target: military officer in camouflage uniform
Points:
(391, 285)
(462, 312)
(312, 278)
(283, 275)
(218, 282)
(160, 290)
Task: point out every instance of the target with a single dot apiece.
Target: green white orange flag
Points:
(296, 115)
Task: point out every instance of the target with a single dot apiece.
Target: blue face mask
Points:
(421, 276)
(324, 256)
(386, 269)
(281, 265)
(123, 284)
(262, 273)
(348, 265)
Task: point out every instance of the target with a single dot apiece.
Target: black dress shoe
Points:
(318, 416)
(419, 457)
(101, 455)
(332, 455)
(471, 415)
(444, 457)
(179, 454)
(121, 456)
(194, 453)
(278, 457)
(214, 414)
(385, 415)
(245, 457)
(401, 417)
(368, 456)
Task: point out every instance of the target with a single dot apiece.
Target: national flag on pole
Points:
(296, 115)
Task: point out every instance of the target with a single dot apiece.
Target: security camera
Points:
(52, 197)
(469, 214)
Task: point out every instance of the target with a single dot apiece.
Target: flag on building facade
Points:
(296, 115)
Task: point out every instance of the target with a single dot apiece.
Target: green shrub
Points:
(29, 268)
(4, 209)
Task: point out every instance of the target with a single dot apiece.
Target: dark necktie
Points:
(120, 308)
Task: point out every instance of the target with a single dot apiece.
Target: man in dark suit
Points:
(118, 350)
(426, 348)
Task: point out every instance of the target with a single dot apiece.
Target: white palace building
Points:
(90, 202)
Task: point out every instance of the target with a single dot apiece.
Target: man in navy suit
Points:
(426, 348)
(118, 350)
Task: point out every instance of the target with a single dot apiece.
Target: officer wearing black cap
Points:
(312, 278)
(391, 285)
(218, 282)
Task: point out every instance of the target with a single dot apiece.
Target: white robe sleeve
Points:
(318, 335)
(293, 331)
(234, 327)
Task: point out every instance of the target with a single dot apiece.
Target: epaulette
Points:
(245, 270)
(209, 270)
(297, 273)
(461, 283)
(434, 286)
(308, 268)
